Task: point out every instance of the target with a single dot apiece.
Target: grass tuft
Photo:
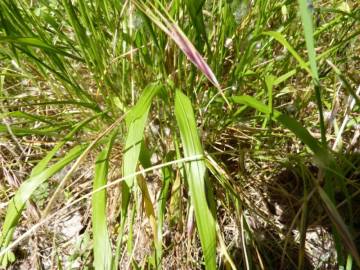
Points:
(179, 134)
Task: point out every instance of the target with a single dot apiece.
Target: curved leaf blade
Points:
(196, 173)
(135, 121)
(102, 244)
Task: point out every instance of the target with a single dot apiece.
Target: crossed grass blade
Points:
(87, 195)
(24, 193)
(38, 43)
(39, 175)
(323, 157)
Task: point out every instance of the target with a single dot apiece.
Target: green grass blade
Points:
(171, 28)
(195, 11)
(340, 225)
(269, 82)
(24, 193)
(135, 122)
(44, 131)
(280, 38)
(347, 85)
(290, 123)
(306, 18)
(44, 162)
(196, 173)
(28, 116)
(62, 102)
(161, 210)
(102, 244)
(37, 43)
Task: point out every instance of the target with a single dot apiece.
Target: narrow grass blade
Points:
(195, 11)
(175, 204)
(306, 18)
(61, 102)
(44, 131)
(28, 116)
(347, 85)
(24, 193)
(196, 173)
(102, 244)
(280, 38)
(161, 208)
(38, 43)
(340, 225)
(290, 123)
(269, 82)
(44, 162)
(148, 205)
(148, 201)
(78, 162)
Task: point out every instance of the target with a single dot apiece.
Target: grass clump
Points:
(179, 134)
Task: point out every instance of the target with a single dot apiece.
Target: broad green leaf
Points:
(135, 122)
(102, 244)
(17, 203)
(196, 174)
